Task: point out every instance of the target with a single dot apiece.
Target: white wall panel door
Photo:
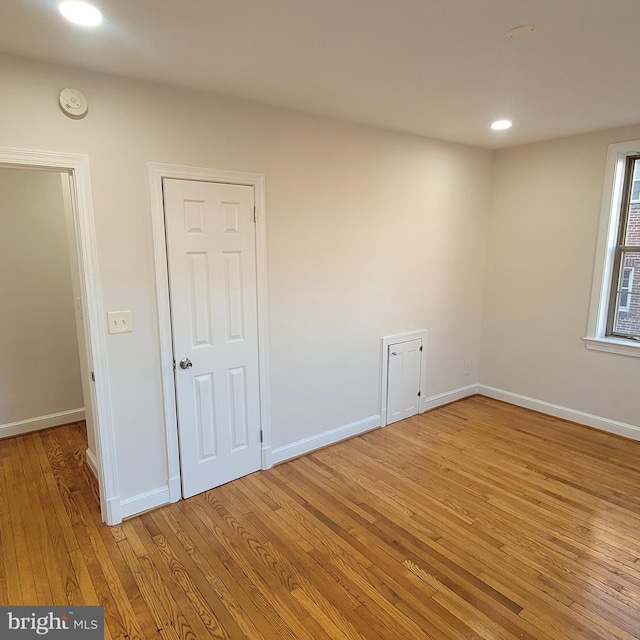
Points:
(403, 384)
(212, 281)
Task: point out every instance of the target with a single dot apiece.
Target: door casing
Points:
(256, 180)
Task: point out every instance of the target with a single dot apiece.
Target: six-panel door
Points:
(212, 281)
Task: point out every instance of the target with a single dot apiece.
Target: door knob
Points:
(185, 363)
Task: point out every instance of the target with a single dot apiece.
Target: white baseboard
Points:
(270, 456)
(597, 422)
(145, 501)
(92, 463)
(307, 445)
(41, 422)
(450, 396)
(276, 455)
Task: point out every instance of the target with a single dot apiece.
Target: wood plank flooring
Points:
(475, 520)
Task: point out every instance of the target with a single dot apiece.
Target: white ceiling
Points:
(439, 68)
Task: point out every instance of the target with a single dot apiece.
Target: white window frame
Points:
(596, 338)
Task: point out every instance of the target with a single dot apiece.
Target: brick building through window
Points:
(626, 320)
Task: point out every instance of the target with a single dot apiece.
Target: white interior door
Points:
(403, 383)
(212, 281)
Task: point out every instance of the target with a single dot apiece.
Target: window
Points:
(624, 309)
(635, 187)
(626, 284)
(614, 320)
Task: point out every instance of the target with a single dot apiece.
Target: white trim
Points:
(307, 445)
(41, 422)
(607, 238)
(614, 345)
(385, 343)
(263, 317)
(95, 331)
(588, 419)
(256, 180)
(91, 462)
(449, 396)
(267, 457)
(145, 501)
(175, 489)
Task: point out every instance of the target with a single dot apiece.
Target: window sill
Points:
(614, 345)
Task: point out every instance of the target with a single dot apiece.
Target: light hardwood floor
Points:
(475, 520)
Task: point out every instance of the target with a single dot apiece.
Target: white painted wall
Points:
(39, 366)
(541, 252)
(370, 233)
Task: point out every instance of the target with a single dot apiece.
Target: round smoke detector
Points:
(73, 102)
(520, 32)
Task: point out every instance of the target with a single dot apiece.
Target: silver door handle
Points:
(185, 363)
(393, 353)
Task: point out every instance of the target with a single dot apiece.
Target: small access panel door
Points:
(403, 380)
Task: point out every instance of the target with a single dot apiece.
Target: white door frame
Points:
(77, 166)
(256, 180)
(386, 342)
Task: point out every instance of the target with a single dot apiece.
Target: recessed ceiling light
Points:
(501, 125)
(81, 13)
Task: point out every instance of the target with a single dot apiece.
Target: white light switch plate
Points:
(119, 321)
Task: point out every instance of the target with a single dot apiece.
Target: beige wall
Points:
(541, 252)
(369, 233)
(39, 367)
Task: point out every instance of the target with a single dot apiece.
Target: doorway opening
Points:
(40, 374)
(73, 173)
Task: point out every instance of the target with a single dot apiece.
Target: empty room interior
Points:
(321, 320)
